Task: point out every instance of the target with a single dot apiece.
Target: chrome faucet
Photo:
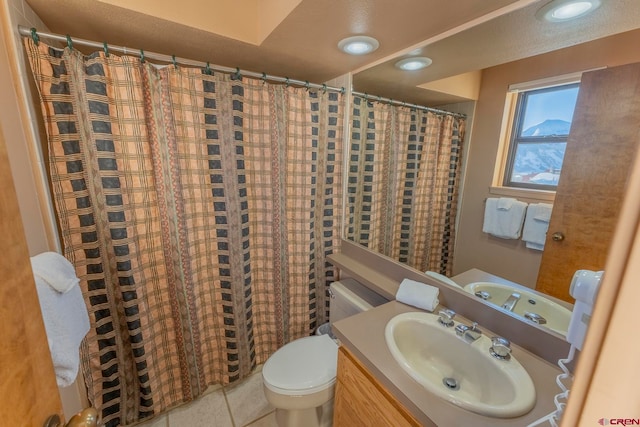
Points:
(500, 348)
(445, 317)
(511, 302)
(535, 318)
(468, 333)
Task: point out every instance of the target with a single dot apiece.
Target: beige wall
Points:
(474, 249)
(20, 126)
(23, 135)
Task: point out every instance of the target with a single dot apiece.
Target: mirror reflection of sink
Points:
(465, 374)
(531, 306)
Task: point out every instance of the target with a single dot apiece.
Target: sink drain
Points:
(451, 383)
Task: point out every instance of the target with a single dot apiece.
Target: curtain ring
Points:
(237, 75)
(34, 36)
(175, 63)
(324, 88)
(207, 69)
(142, 56)
(264, 78)
(286, 81)
(342, 90)
(307, 85)
(69, 42)
(105, 47)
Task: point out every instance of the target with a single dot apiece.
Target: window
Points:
(539, 130)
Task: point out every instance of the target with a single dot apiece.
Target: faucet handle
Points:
(446, 317)
(500, 348)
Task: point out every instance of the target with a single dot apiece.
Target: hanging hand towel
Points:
(65, 318)
(505, 203)
(504, 217)
(56, 270)
(536, 224)
(418, 294)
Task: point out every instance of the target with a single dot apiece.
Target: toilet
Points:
(299, 379)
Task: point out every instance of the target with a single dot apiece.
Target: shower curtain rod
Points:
(175, 60)
(370, 97)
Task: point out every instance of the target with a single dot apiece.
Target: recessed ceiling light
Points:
(564, 10)
(358, 45)
(412, 64)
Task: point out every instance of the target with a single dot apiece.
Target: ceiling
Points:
(506, 38)
(298, 38)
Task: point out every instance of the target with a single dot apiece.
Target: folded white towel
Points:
(505, 203)
(66, 323)
(536, 224)
(55, 270)
(542, 211)
(504, 223)
(418, 294)
(534, 246)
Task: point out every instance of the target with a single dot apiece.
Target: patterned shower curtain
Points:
(198, 211)
(403, 183)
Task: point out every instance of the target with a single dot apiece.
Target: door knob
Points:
(557, 236)
(86, 418)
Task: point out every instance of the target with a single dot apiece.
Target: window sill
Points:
(524, 193)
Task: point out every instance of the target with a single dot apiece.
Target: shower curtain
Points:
(403, 181)
(198, 211)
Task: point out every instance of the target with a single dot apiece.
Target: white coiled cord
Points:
(560, 399)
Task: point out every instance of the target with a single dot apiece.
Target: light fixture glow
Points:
(564, 10)
(358, 45)
(571, 10)
(415, 63)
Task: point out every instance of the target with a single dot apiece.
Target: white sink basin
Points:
(556, 317)
(433, 354)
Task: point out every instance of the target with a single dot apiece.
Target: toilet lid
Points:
(304, 365)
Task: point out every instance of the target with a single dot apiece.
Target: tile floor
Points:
(237, 405)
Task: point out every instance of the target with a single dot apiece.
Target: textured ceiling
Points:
(504, 39)
(302, 46)
(251, 23)
(473, 35)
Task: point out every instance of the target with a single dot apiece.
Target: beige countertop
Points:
(363, 335)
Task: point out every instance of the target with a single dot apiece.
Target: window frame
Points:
(515, 124)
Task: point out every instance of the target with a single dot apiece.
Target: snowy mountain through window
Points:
(542, 124)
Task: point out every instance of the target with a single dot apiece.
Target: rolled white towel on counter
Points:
(64, 314)
(418, 294)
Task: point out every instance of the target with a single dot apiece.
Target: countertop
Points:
(363, 335)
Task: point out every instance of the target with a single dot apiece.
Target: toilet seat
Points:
(301, 367)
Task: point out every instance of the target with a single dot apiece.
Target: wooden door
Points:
(600, 150)
(28, 389)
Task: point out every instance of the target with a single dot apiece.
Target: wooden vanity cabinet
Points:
(361, 400)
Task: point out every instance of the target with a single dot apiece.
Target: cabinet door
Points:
(361, 401)
(600, 150)
(28, 390)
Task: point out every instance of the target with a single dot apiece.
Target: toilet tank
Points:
(349, 297)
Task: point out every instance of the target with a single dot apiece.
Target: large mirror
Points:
(471, 73)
